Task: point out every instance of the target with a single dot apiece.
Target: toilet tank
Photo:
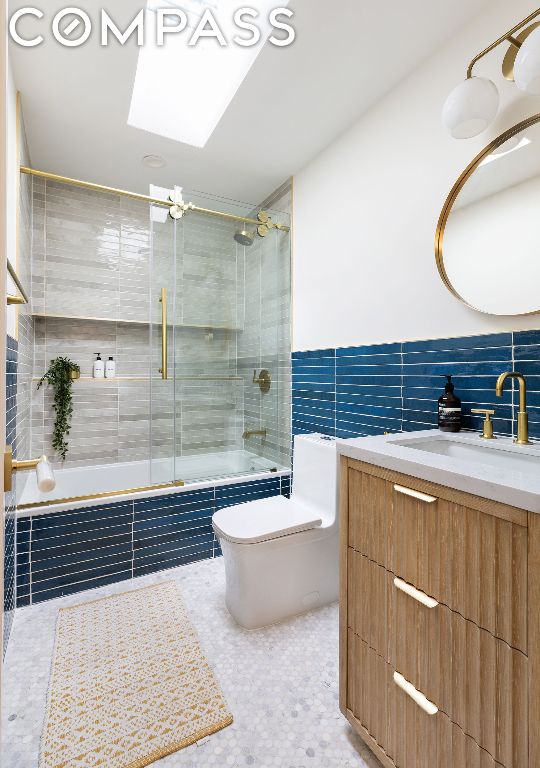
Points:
(315, 474)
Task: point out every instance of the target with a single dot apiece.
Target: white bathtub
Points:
(91, 486)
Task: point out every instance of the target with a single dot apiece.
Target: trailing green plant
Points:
(60, 377)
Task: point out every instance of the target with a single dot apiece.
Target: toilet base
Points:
(275, 580)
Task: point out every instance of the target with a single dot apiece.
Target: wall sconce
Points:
(473, 105)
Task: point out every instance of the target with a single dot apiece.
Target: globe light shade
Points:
(527, 64)
(470, 107)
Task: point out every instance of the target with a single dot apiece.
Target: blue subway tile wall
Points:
(286, 486)
(314, 392)
(395, 387)
(67, 552)
(368, 390)
(9, 517)
(527, 361)
(474, 362)
(173, 530)
(238, 493)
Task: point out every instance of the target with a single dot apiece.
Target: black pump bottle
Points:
(449, 408)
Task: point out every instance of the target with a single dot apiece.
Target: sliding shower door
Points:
(227, 320)
(162, 298)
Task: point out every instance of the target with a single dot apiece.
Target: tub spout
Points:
(253, 433)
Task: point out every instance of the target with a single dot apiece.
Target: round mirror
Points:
(488, 237)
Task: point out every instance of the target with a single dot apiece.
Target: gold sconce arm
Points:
(12, 465)
(508, 37)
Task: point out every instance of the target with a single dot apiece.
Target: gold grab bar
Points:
(23, 298)
(163, 369)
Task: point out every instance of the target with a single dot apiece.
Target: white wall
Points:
(11, 183)
(366, 209)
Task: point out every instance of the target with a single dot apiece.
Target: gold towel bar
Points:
(23, 298)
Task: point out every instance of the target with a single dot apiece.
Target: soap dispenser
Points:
(110, 368)
(99, 368)
(449, 408)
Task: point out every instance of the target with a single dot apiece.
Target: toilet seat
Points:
(263, 520)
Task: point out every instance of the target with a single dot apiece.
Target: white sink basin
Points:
(485, 453)
(495, 469)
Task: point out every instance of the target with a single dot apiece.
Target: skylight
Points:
(181, 91)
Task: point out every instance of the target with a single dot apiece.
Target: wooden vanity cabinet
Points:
(439, 623)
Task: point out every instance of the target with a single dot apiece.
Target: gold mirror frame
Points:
(451, 199)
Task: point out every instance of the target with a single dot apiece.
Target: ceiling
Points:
(292, 104)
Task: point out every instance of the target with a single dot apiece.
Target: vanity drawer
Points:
(370, 515)
(408, 735)
(368, 601)
(472, 561)
(477, 680)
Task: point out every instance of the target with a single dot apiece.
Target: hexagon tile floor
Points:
(280, 683)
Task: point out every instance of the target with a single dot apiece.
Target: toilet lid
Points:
(263, 520)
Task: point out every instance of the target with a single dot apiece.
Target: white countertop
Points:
(507, 485)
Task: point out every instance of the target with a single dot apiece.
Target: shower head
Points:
(243, 237)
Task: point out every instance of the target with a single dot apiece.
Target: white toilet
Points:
(281, 555)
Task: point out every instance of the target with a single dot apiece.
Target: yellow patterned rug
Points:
(129, 683)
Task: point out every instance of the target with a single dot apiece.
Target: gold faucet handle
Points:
(488, 424)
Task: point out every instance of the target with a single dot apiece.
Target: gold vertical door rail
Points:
(163, 300)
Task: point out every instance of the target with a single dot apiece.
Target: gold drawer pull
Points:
(414, 494)
(416, 594)
(415, 695)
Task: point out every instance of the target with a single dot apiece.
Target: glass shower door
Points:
(162, 297)
(227, 293)
(208, 388)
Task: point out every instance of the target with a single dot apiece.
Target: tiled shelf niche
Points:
(134, 413)
(154, 378)
(134, 321)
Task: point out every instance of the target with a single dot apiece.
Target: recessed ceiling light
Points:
(154, 161)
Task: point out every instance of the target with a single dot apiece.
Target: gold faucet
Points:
(522, 419)
(254, 433)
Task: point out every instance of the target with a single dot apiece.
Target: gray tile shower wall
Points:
(126, 420)
(368, 390)
(101, 256)
(66, 552)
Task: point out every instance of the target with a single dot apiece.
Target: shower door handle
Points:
(163, 300)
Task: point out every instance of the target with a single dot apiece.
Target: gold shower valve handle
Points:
(264, 380)
(487, 434)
